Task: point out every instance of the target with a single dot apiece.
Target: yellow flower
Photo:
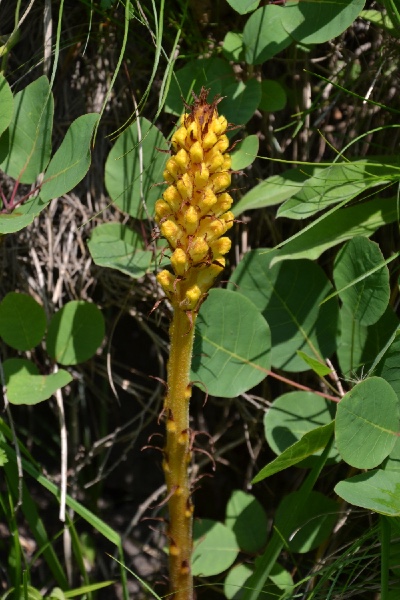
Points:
(194, 214)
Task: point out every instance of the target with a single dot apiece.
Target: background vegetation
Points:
(316, 103)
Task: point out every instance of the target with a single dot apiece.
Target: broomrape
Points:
(193, 216)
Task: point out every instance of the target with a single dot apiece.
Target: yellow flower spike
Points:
(227, 163)
(191, 220)
(216, 162)
(179, 261)
(162, 209)
(182, 159)
(171, 231)
(185, 186)
(208, 276)
(198, 250)
(201, 178)
(220, 125)
(229, 218)
(196, 152)
(209, 140)
(166, 280)
(223, 204)
(173, 197)
(220, 181)
(192, 297)
(194, 214)
(192, 130)
(207, 201)
(223, 144)
(220, 246)
(179, 138)
(173, 168)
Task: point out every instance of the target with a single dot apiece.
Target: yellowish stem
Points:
(178, 454)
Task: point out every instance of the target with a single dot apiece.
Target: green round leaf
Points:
(30, 132)
(213, 73)
(248, 521)
(22, 321)
(75, 332)
(72, 160)
(232, 46)
(392, 463)
(6, 103)
(22, 216)
(25, 385)
(367, 298)
(133, 169)
(367, 422)
(314, 523)
(293, 415)
(235, 581)
(377, 491)
(245, 152)
(215, 548)
(273, 96)
(243, 6)
(288, 295)
(309, 22)
(116, 246)
(241, 101)
(232, 345)
(264, 35)
(279, 580)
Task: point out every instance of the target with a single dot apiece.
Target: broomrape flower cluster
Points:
(194, 214)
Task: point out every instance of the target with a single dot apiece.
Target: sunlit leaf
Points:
(25, 385)
(367, 422)
(311, 22)
(6, 103)
(215, 548)
(264, 35)
(378, 491)
(275, 189)
(30, 132)
(134, 168)
(241, 101)
(313, 441)
(72, 160)
(245, 152)
(213, 73)
(367, 299)
(288, 295)
(232, 345)
(343, 224)
(291, 416)
(339, 182)
(115, 246)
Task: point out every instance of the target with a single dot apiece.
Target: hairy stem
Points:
(177, 456)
